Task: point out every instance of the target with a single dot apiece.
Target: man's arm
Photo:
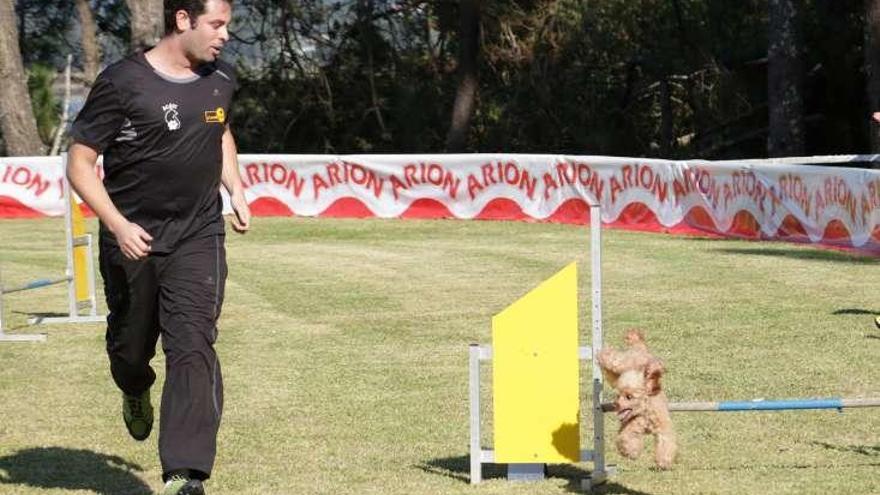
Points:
(231, 179)
(132, 239)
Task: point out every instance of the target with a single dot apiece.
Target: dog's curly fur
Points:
(641, 405)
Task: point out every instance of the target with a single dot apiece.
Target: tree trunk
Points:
(784, 81)
(872, 68)
(466, 95)
(17, 119)
(91, 51)
(667, 122)
(147, 22)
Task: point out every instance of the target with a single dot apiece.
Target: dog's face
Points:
(632, 395)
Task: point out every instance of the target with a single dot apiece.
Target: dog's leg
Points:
(667, 447)
(631, 439)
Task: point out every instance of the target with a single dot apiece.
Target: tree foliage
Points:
(672, 78)
(47, 109)
(635, 77)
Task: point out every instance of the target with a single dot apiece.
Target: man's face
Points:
(204, 39)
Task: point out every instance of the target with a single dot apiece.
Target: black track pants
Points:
(177, 295)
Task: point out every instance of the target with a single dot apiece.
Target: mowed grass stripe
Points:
(344, 351)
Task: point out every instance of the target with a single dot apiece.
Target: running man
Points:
(160, 119)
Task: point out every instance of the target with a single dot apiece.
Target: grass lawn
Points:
(344, 346)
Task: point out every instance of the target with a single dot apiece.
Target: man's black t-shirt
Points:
(161, 140)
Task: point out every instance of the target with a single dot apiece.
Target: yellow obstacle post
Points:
(81, 261)
(81, 299)
(535, 375)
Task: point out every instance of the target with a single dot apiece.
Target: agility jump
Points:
(536, 396)
(535, 384)
(79, 275)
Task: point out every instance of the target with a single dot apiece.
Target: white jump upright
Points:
(600, 469)
(79, 275)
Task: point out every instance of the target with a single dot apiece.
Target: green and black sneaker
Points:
(181, 485)
(137, 412)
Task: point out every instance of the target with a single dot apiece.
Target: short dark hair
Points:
(194, 8)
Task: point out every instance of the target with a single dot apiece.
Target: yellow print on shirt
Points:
(218, 116)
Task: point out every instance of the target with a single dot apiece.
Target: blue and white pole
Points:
(766, 405)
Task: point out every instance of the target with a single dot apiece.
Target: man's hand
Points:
(241, 219)
(876, 116)
(133, 240)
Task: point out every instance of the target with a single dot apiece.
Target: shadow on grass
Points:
(72, 469)
(860, 311)
(41, 315)
(805, 254)
(868, 450)
(459, 468)
(27, 323)
(855, 311)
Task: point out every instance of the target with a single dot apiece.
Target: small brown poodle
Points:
(641, 405)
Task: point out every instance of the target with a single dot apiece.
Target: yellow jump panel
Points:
(80, 254)
(535, 374)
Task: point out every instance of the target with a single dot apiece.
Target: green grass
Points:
(344, 350)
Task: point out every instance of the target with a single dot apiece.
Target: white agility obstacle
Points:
(79, 275)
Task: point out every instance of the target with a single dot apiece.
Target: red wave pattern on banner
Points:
(635, 216)
(745, 226)
(427, 208)
(700, 220)
(792, 230)
(575, 211)
(269, 207)
(10, 208)
(835, 232)
(86, 211)
(502, 209)
(347, 208)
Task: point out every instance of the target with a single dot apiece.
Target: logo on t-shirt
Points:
(218, 116)
(172, 118)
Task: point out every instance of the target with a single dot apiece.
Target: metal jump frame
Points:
(73, 307)
(601, 471)
(479, 353)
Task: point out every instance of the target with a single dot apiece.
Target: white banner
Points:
(829, 205)
(31, 186)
